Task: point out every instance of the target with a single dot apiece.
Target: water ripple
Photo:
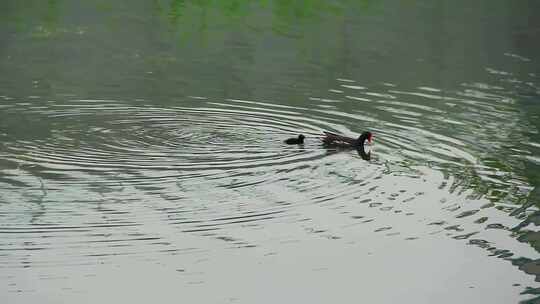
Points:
(102, 178)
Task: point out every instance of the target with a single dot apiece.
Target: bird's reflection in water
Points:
(365, 153)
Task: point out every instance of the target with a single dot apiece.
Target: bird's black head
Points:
(365, 136)
(301, 138)
(360, 144)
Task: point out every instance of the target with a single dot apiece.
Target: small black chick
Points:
(295, 141)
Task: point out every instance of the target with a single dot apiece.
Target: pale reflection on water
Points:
(153, 171)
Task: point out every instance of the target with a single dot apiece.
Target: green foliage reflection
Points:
(280, 16)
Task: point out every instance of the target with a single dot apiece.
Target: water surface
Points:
(141, 153)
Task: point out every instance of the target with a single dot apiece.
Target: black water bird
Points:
(295, 140)
(336, 140)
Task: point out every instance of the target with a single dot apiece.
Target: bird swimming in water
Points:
(336, 140)
(295, 140)
(332, 139)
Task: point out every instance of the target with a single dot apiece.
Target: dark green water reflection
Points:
(150, 129)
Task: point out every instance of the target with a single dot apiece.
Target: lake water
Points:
(142, 155)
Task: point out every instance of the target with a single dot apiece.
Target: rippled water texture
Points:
(143, 160)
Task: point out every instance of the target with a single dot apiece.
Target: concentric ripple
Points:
(95, 179)
(103, 165)
(106, 136)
